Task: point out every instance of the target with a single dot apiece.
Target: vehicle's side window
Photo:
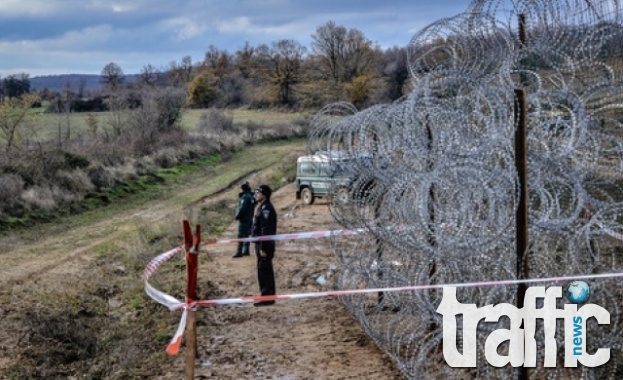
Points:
(308, 168)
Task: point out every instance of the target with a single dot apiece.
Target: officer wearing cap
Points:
(244, 216)
(265, 223)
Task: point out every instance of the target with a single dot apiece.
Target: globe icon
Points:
(578, 292)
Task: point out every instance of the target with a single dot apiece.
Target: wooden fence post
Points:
(191, 250)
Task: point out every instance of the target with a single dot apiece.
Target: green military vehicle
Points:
(323, 174)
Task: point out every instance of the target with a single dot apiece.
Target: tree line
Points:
(341, 64)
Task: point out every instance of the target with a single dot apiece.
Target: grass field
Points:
(243, 116)
(50, 126)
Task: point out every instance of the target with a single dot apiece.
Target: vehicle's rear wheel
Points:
(341, 196)
(307, 196)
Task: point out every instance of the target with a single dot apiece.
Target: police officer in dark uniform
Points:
(244, 216)
(265, 223)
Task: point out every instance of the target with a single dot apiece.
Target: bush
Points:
(76, 181)
(96, 104)
(216, 121)
(167, 158)
(155, 120)
(102, 177)
(11, 187)
(39, 197)
(75, 161)
(145, 165)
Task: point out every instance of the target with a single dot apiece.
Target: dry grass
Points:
(98, 323)
(48, 125)
(191, 118)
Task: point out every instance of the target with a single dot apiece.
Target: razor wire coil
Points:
(433, 175)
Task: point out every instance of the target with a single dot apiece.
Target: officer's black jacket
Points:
(265, 223)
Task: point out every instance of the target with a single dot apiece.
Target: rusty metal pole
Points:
(191, 249)
(521, 162)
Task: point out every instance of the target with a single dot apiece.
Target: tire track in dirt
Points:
(230, 186)
(31, 261)
(293, 340)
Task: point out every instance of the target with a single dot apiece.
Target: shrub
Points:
(75, 161)
(151, 124)
(39, 197)
(75, 181)
(96, 104)
(145, 165)
(125, 172)
(101, 176)
(11, 187)
(216, 121)
(169, 157)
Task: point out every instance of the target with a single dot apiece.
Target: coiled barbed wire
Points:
(433, 177)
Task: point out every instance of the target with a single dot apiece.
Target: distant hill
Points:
(90, 82)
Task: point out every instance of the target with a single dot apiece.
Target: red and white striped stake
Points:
(191, 249)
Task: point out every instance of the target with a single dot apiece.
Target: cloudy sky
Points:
(47, 37)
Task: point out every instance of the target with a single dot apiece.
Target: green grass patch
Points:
(48, 125)
(191, 117)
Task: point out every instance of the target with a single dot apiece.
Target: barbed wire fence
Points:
(435, 182)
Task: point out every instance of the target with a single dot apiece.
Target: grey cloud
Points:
(148, 32)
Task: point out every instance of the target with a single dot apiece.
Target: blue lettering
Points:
(577, 333)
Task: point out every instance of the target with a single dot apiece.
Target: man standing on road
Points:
(265, 223)
(244, 216)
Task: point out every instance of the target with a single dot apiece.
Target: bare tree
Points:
(112, 76)
(343, 56)
(244, 60)
(181, 73)
(229, 82)
(219, 62)
(65, 101)
(186, 68)
(281, 65)
(328, 44)
(394, 68)
(149, 75)
(358, 56)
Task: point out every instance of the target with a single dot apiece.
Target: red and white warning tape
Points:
(173, 303)
(335, 293)
(293, 236)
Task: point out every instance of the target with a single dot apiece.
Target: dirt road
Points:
(300, 339)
